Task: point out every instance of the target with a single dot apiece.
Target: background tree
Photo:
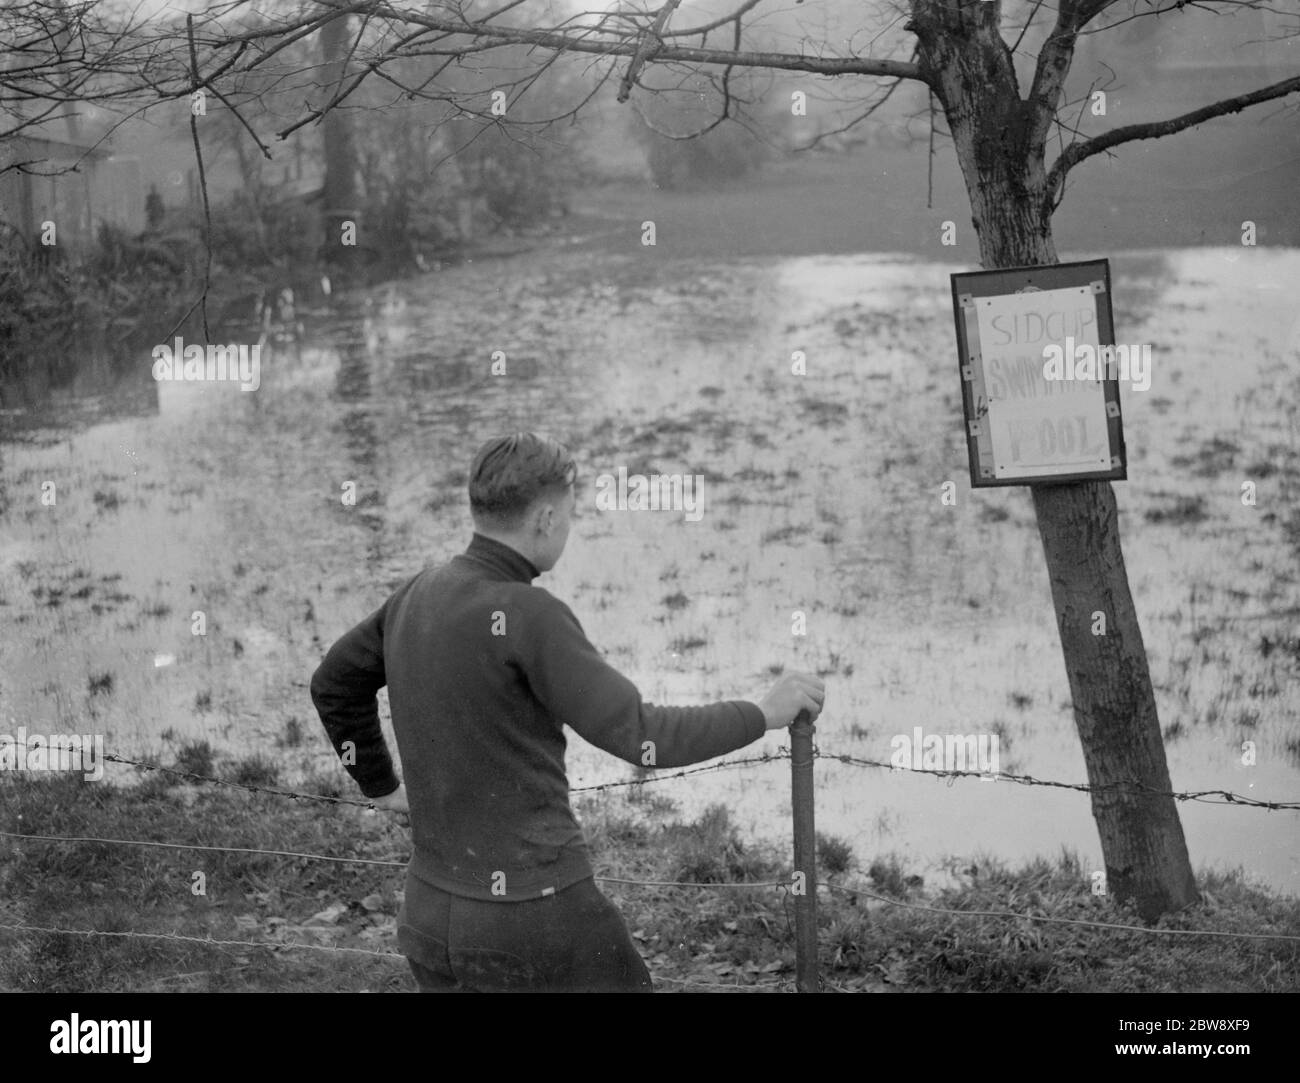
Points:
(341, 202)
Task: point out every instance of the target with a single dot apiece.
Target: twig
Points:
(203, 186)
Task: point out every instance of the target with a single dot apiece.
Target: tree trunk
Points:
(340, 194)
(1000, 141)
(250, 173)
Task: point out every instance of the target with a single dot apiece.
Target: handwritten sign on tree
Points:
(1029, 416)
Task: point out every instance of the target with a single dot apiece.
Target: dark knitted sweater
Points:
(483, 671)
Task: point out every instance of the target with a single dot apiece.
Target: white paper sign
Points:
(1040, 427)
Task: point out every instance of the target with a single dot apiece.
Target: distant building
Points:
(59, 176)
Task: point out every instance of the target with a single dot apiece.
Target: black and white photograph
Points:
(683, 496)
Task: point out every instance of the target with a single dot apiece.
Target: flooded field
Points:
(821, 494)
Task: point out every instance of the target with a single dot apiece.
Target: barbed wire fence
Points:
(1219, 797)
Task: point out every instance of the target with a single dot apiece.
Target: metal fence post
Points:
(805, 854)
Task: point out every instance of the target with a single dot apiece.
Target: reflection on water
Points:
(820, 496)
(349, 330)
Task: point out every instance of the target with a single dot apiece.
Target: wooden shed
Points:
(52, 175)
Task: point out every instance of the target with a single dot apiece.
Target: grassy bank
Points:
(700, 938)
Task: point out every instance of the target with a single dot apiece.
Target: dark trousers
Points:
(572, 941)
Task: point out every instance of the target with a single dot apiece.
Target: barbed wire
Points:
(273, 945)
(250, 787)
(1131, 787)
(206, 941)
(697, 883)
(1056, 920)
(199, 846)
(359, 860)
(729, 986)
(747, 761)
(724, 884)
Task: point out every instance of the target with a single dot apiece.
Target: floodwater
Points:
(821, 495)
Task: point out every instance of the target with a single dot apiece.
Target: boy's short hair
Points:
(510, 473)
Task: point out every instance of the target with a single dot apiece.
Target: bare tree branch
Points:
(650, 44)
(627, 44)
(1077, 152)
(871, 109)
(1054, 64)
(203, 185)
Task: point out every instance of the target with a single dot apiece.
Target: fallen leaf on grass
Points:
(329, 916)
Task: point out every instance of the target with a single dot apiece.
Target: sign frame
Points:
(967, 286)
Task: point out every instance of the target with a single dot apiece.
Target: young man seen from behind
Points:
(483, 671)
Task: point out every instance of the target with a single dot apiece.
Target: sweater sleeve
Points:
(579, 688)
(343, 690)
